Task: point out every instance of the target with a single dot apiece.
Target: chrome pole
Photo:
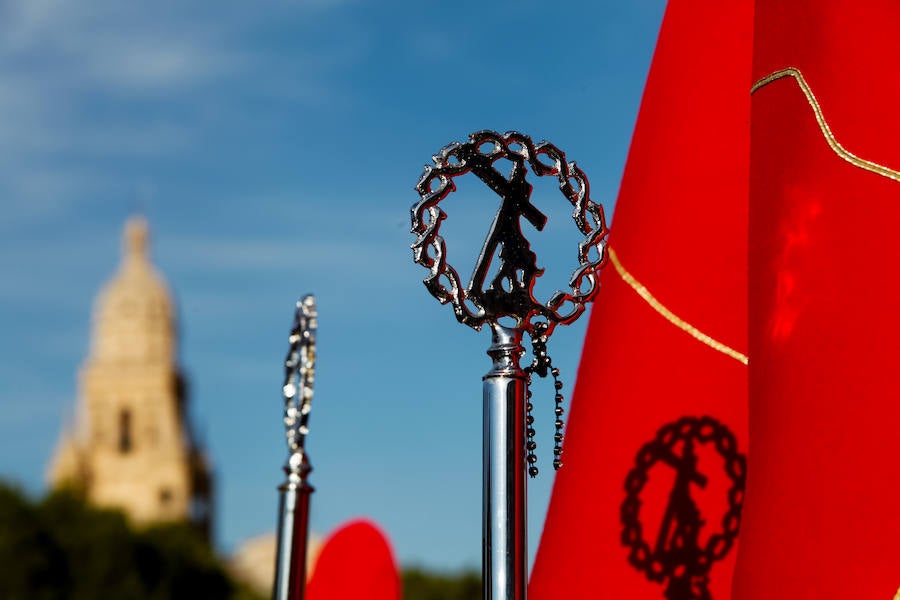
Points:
(293, 512)
(293, 532)
(504, 508)
(502, 296)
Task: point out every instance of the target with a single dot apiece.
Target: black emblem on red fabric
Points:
(687, 543)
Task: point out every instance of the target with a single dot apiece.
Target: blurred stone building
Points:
(130, 445)
(254, 561)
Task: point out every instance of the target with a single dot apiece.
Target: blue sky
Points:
(274, 147)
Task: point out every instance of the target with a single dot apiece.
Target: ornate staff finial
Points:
(293, 518)
(508, 295)
(299, 374)
(510, 292)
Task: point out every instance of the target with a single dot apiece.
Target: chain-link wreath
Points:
(518, 267)
(704, 430)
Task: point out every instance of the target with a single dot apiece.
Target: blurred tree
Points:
(97, 547)
(31, 563)
(175, 563)
(63, 549)
(419, 584)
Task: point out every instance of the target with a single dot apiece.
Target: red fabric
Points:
(356, 563)
(822, 518)
(680, 228)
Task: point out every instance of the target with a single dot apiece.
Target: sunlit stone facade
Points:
(130, 445)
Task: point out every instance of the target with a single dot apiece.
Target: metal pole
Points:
(293, 531)
(504, 525)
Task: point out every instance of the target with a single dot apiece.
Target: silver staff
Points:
(293, 514)
(508, 433)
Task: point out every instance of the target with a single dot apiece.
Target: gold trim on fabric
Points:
(668, 315)
(823, 125)
(897, 595)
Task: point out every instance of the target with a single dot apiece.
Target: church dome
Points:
(133, 314)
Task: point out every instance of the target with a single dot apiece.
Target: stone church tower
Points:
(131, 446)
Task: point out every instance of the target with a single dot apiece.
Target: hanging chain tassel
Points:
(542, 365)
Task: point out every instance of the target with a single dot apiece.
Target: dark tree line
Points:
(424, 585)
(60, 548)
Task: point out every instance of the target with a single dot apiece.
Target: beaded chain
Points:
(542, 365)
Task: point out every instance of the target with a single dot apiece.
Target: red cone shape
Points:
(646, 505)
(356, 563)
(822, 518)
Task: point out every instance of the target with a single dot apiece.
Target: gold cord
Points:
(842, 152)
(823, 124)
(671, 317)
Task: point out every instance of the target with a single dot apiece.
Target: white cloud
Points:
(123, 63)
(58, 60)
(24, 20)
(57, 51)
(331, 255)
(86, 85)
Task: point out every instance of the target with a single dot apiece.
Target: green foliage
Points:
(422, 585)
(175, 563)
(63, 549)
(29, 557)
